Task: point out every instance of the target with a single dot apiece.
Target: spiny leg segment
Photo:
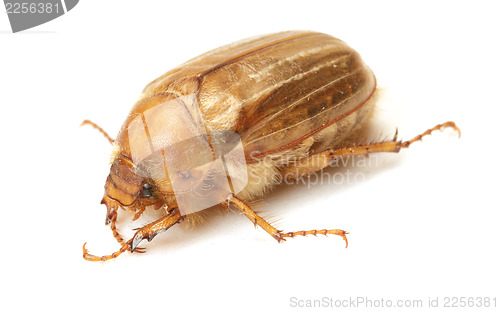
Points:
(151, 230)
(321, 160)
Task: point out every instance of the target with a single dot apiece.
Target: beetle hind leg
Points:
(322, 159)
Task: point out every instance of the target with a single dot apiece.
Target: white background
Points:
(423, 223)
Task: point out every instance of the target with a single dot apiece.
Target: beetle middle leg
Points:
(321, 160)
(275, 233)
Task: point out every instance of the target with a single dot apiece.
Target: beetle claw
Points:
(138, 237)
(152, 236)
(135, 241)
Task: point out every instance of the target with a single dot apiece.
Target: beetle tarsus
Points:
(91, 257)
(324, 232)
(441, 126)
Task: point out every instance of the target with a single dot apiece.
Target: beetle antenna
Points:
(97, 127)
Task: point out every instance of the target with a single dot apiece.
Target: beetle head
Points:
(125, 188)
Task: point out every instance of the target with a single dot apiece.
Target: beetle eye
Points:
(147, 190)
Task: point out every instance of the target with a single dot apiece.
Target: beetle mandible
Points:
(216, 131)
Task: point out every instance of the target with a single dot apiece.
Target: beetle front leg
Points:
(111, 217)
(275, 233)
(151, 230)
(117, 235)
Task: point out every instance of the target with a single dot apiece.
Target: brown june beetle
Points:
(226, 127)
